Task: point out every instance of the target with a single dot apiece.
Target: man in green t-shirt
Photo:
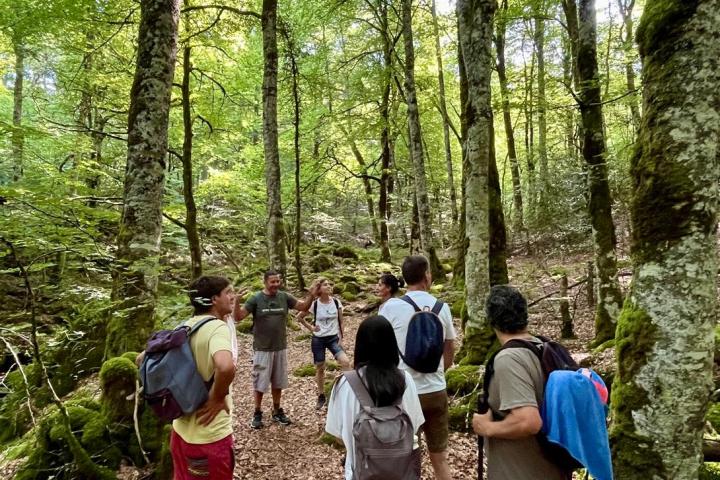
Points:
(269, 309)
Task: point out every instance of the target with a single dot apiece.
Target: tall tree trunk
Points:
(665, 334)
(498, 236)
(416, 147)
(386, 161)
(532, 184)
(367, 186)
(626, 8)
(462, 240)
(476, 28)
(518, 222)
(137, 257)
(594, 153)
(190, 209)
(275, 226)
(539, 40)
(18, 136)
(446, 120)
(571, 21)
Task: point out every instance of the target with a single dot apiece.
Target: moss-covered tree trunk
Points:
(416, 147)
(446, 120)
(275, 225)
(518, 222)
(475, 19)
(138, 243)
(665, 333)
(18, 136)
(191, 228)
(595, 155)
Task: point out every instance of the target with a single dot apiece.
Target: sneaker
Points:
(257, 422)
(280, 417)
(320, 402)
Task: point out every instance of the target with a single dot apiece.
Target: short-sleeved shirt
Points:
(344, 407)
(211, 338)
(399, 312)
(270, 320)
(517, 382)
(327, 317)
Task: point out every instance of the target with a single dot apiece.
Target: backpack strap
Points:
(412, 303)
(199, 324)
(315, 309)
(358, 386)
(437, 307)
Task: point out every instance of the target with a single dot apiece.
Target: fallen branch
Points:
(555, 292)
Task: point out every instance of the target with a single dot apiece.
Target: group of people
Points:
(201, 443)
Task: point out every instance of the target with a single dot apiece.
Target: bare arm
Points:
(300, 317)
(240, 313)
(224, 374)
(521, 422)
(448, 353)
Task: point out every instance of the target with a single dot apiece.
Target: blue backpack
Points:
(172, 385)
(424, 343)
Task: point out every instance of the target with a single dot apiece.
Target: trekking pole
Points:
(481, 440)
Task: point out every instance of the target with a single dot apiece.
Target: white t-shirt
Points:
(398, 312)
(233, 337)
(327, 317)
(344, 407)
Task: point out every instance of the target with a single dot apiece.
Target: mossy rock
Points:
(348, 278)
(348, 296)
(307, 370)
(343, 251)
(460, 414)
(117, 380)
(303, 336)
(327, 439)
(348, 261)
(463, 379)
(320, 263)
(244, 327)
(130, 356)
(352, 287)
(84, 401)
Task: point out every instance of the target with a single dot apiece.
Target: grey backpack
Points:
(383, 438)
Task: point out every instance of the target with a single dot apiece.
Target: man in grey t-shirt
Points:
(515, 394)
(269, 309)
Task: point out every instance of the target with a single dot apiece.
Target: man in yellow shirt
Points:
(201, 443)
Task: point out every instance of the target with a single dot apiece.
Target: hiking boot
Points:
(320, 402)
(257, 422)
(280, 417)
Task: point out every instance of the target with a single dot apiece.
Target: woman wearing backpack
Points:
(388, 286)
(385, 385)
(327, 333)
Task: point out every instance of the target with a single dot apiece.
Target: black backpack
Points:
(552, 356)
(424, 343)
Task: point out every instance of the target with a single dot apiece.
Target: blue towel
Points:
(574, 417)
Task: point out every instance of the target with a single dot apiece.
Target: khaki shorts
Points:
(270, 370)
(435, 410)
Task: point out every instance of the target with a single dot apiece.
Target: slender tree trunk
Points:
(476, 28)
(275, 226)
(385, 177)
(532, 190)
(518, 222)
(416, 147)
(665, 334)
(296, 125)
(462, 240)
(539, 40)
(571, 20)
(18, 137)
(626, 8)
(594, 153)
(137, 257)
(446, 120)
(367, 186)
(498, 235)
(190, 208)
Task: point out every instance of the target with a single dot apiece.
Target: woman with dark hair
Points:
(376, 363)
(388, 286)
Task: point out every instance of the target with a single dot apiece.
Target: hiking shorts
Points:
(319, 344)
(435, 410)
(270, 370)
(209, 460)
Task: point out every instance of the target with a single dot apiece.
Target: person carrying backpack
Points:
(425, 335)
(201, 443)
(327, 334)
(374, 409)
(515, 392)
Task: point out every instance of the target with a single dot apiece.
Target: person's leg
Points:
(435, 410)
(221, 459)
(317, 345)
(178, 457)
(261, 384)
(320, 377)
(279, 381)
(276, 396)
(258, 400)
(339, 354)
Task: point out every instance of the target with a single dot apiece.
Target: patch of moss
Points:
(463, 379)
(348, 296)
(460, 414)
(303, 336)
(352, 287)
(659, 21)
(477, 346)
(604, 346)
(321, 263)
(293, 326)
(343, 251)
(307, 370)
(244, 327)
(713, 416)
(709, 471)
(633, 454)
(327, 439)
(117, 380)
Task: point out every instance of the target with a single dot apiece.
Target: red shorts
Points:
(209, 461)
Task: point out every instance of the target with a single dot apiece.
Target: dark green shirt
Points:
(270, 320)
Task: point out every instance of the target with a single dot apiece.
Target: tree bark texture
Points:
(539, 41)
(446, 120)
(18, 136)
(626, 8)
(367, 186)
(275, 226)
(475, 19)
(416, 147)
(594, 153)
(386, 160)
(518, 222)
(498, 235)
(665, 334)
(462, 241)
(138, 250)
(191, 228)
